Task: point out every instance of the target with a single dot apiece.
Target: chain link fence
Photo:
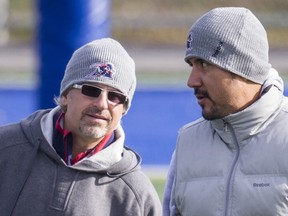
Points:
(166, 22)
(159, 22)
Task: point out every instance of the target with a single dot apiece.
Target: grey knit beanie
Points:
(102, 61)
(233, 39)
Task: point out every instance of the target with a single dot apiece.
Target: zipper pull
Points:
(225, 126)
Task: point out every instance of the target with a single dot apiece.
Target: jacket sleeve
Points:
(169, 207)
(16, 160)
(152, 205)
(146, 197)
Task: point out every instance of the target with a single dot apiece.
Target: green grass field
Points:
(159, 186)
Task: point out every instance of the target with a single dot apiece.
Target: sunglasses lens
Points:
(113, 97)
(91, 91)
(116, 98)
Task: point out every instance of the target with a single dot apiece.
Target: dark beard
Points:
(214, 113)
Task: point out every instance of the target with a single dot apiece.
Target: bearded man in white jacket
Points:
(233, 161)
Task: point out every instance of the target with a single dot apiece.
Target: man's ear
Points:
(125, 106)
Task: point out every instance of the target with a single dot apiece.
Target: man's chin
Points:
(208, 115)
(93, 132)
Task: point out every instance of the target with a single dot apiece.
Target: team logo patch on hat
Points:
(103, 69)
(189, 42)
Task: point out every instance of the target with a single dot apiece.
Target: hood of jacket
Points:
(115, 160)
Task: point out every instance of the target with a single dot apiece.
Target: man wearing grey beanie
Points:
(233, 160)
(71, 160)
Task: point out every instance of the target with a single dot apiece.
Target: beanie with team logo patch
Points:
(102, 61)
(233, 39)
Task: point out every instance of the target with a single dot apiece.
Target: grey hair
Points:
(57, 101)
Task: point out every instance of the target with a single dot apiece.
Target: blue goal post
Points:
(62, 27)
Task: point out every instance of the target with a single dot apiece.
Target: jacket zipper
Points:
(232, 170)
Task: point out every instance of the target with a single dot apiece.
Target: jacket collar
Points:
(115, 159)
(251, 120)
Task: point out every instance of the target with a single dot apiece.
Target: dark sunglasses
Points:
(94, 91)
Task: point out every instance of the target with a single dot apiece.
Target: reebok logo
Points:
(219, 49)
(261, 184)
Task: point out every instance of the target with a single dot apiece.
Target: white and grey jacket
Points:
(236, 166)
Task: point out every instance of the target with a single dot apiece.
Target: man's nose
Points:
(101, 101)
(194, 79)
